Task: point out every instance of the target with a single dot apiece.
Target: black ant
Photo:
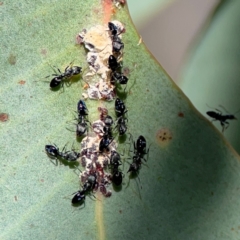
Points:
(139, 152)
(118, 78)
(115, 159)
(113, 63)
(120, 108)
(116, 41)
(81, 126)
(68, 72)
(53, 152)
(108, 121)
(117, 177)
(88, 186)
(113, 29)
(107, 134)
(121, 125)
(82, 108)
(117, 44)
(218, 116)
(104, 143)
(115, 162)
(70, 156)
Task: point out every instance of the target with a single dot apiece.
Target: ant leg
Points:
(128, 183)
(76, 170)
(51, 75)
(227, 125)
(68, 66)
(223, 126)
(223, 108)
(56, 161)
(64, 148)
(92, 195)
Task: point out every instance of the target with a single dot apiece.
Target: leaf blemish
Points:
(163, 137)
(4, 117)
(12, 59)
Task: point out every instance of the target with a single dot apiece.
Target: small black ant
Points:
(70, 156)
(81, 126)
(117, 43)
(104, 143)
(88, 186)
(113, 28)
(121, 125)
(113, 63)
(107, 129)
(115, 161)
(82, 108)
(53, 152)
(120, 108)
(218, 116)
(108, 121)
(139, 152)
(118, 77)
(140, 147)
(68, 72)
(117, 177)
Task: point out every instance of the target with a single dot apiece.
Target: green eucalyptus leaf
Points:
(188, 189)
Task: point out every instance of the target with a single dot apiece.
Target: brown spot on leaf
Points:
(44, 52)
(12, 59)
(120, 211)
(4, 117)
(126, 71)
(1, 3)
(163, 137)
(180, 114)
(16, 198)
(22, 82)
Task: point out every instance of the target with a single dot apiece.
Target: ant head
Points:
(232, 117)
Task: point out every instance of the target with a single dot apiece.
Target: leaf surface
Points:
(188, 188)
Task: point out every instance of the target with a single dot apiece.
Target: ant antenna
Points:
(236, 112)
(53, 68)
(214, 108)
(227, 111)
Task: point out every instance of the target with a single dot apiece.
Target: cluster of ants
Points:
(95, 177)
